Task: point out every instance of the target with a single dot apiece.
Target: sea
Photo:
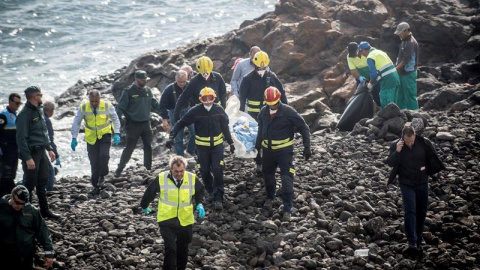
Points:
(55, 43)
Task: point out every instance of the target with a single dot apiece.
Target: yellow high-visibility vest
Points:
(96, 124)
(174, 201)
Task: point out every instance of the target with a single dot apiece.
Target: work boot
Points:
(95, 191)
(49, 214)
(101, 182)
(118, 172)
(268, 204)
(286, 216)
(218, 206)
(410, 251)
(258, 169)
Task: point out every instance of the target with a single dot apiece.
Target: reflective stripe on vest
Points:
(277, 144)
(254, 106)
(11, 118)
(383, 64)
(174, 201)
(206, 141)
(96, 125)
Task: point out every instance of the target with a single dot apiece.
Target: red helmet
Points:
(272, 95)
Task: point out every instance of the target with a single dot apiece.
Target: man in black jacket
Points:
(211, 128)
(48, 110)
(277, 124)
(205, 77)
(167, 107)
(254, 84)
(413, 164)
(33, 142)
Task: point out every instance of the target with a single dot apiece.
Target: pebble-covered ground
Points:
(342, 204)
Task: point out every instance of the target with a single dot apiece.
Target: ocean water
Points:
(55, 43)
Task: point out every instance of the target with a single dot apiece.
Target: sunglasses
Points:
(18, 202)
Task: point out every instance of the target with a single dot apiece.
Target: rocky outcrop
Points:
(306, 41)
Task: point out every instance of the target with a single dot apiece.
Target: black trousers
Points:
(210, 160)
(38, 177)
(176, 240)
(9, 168)
(16, 261)
(99, 155)
(283, 159)
(134, 131)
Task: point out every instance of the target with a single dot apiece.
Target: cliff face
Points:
(307, 40)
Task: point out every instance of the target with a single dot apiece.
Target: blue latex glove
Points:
(73, 144)
(146, 211)
(116, 139)
(57, 162)
(201, 211)
(361, 79)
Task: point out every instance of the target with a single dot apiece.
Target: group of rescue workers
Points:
(197, 102)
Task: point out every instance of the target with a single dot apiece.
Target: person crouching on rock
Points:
(413, 163)
(98, 116)
(177, 188)
(277, 123)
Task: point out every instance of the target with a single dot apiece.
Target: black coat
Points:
(433, 163)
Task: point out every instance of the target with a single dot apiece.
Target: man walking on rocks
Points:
(205, 77)
(20, 225)
(33, 142)
(177, 189)
(413, 164)
(382, 71)
(136, 103)
(277, 124)
(211, 128)
(49, 110)
(8, 144)
(254, 84)
(241, 70)
(167, 107)
(100, 121)
(407, 62)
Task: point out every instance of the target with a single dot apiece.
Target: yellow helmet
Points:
(261, 59)
(204, 65)
(205, 92)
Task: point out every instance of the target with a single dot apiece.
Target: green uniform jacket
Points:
(18, 230)
(137, 103)
(31, 130)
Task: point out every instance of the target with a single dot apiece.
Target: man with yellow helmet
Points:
(206, 77)
(277, 123)
(254, 84)
(211, 129)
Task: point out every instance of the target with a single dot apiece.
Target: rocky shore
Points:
(342, 202)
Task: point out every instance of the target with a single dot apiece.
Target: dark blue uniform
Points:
(8, 145)
(276, 138)
(211, 128)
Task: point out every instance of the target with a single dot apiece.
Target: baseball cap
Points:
(21, 192)
(352, 49)
(142, 75)
(402, 27)
(363, 45)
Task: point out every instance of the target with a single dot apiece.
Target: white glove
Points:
(369, 86)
